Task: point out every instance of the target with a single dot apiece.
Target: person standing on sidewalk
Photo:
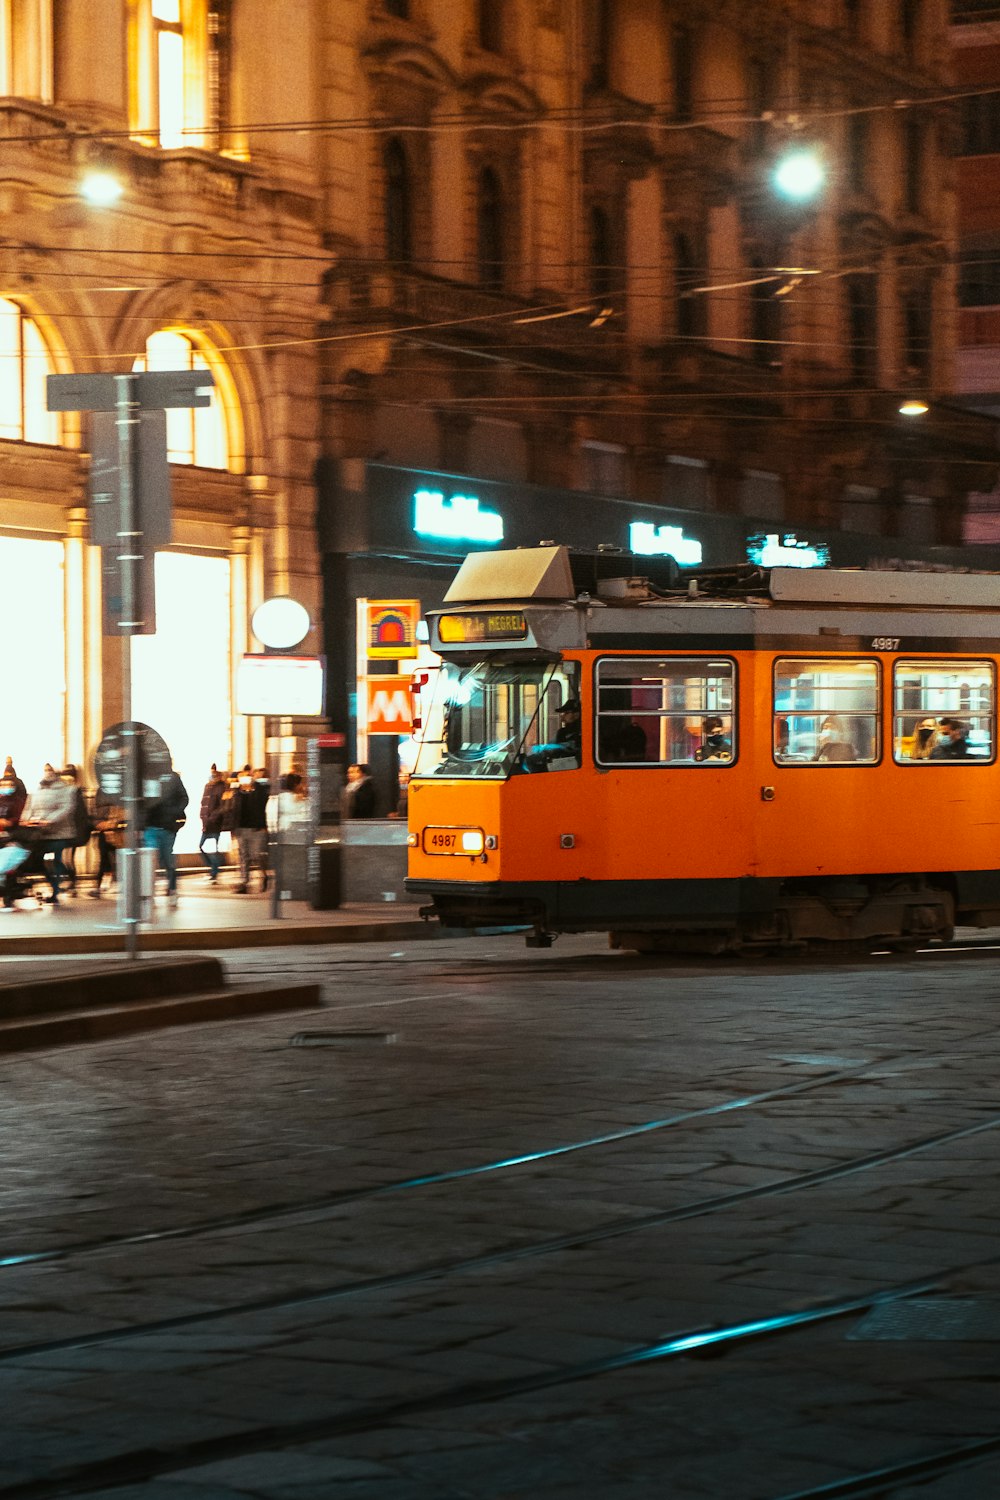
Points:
(247, 822)
(212, 821)
(13, 796)
(162, 816)
(82, 826)
(49, 811)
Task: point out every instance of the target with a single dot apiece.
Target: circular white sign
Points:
(280, 622)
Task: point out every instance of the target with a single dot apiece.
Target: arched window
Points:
(490, 230)
(199, 434)
(398, 205)
(489, 25)
(601, 270)
(24, 364)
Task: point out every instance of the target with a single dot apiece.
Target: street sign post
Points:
(132, 519)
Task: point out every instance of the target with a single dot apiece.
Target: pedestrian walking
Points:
(358, 798)
(49, 813)
(162, 817)
(246, 819)
(13, 795)
(212, 821)
(110, 827)
(82, 825)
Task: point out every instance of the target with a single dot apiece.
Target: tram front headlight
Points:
(472, 841)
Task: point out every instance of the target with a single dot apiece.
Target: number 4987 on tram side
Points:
(710, 760)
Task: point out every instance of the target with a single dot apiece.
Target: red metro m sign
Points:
(389, 705)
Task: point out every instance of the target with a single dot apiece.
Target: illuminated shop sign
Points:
(458, 519)
(650, 540)
(777, 550)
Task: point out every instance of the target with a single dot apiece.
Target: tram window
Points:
(494, 719)
(826, 712)
(665, 712)
(943, 711)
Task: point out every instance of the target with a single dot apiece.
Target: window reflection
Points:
(825, 712)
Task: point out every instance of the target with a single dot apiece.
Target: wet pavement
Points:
(509, 1225)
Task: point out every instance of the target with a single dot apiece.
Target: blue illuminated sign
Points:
(458, 519)
(650, 540)
(775, 550)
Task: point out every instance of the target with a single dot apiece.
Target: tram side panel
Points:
(883, 816)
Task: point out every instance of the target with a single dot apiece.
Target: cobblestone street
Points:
(507, 1225)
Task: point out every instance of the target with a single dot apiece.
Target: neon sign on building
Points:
(650, 540)
(458, 519)
(774, 550)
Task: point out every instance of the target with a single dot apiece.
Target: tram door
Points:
(824, 724)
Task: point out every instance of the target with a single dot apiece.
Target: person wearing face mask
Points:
(954, 744)
(49, 811)
(13, 795)
(833, 742)
(247, 822)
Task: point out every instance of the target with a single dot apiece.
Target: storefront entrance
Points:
(181, 675)
(33, 647)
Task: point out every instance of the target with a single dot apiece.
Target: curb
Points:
(193, 939)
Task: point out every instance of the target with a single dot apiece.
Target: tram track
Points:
(612, 1229)
(874, 1482)
(331, 1202)
(143, 1466)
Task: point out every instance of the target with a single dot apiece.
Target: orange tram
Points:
(709, 760)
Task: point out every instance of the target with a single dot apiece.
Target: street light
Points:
(799, 174)
(280, 623)
(913, 407)
(101, 189)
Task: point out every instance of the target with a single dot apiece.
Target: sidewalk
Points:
(206, 917)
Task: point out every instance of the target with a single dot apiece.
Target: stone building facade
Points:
(209, 256)
(532, 243)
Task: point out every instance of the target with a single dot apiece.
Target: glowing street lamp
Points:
(913, 407)
(799, 174)
(101, 189)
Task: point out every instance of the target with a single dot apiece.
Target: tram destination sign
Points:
(491, 625)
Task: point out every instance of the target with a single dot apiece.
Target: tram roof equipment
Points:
(560, 574)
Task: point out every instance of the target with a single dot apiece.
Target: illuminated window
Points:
(826, 712)
(179, 57)
(168, 38)
(181, 675)
(32, 573)
(24, 364)
(944, 711)
(6, 49)
(678, 711)
(198, 434)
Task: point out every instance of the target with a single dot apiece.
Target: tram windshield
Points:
(493, 719)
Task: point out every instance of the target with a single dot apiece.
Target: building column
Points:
(76, 637)
(91, 76)
(239, 634)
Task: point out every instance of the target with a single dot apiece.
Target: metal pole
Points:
(129, 555)
(276, 861)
